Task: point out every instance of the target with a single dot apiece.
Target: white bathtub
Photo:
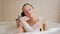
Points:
(9, 27)
(49, 31)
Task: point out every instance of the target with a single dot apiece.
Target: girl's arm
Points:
(26, 26)
(19, 27)
(17, 22)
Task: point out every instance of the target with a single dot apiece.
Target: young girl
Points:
(28, 22)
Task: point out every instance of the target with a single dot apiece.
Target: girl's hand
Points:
(23, 19)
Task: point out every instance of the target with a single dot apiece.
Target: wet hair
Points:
(22, 14)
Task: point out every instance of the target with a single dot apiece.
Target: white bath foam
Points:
(50, 31)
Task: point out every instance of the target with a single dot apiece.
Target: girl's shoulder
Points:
(40, 18)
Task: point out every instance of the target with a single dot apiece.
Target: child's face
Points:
(28, 10)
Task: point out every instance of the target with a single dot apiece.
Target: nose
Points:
(28, 11)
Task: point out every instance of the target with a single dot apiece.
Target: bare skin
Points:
(29, 12)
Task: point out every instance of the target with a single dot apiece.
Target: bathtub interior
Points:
(9, 27)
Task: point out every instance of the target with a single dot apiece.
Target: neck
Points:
(33, 17)
(33, 20)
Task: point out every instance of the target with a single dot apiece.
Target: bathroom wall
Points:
(9, 10)
(0, 10)
(59, 10)
(48, 9)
